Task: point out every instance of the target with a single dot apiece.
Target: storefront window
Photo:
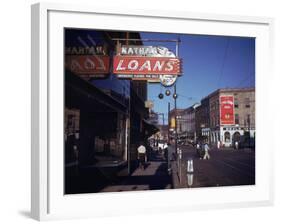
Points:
(227, 137)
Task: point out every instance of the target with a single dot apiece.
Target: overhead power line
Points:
(246, 79)
(223, 61)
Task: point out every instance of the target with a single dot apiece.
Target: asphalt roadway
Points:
(226, 167)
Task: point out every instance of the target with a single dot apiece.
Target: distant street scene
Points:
(154, 111)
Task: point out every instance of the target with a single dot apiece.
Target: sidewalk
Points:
(153, 177)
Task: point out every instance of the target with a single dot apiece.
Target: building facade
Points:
(190, 123)
(104, 116)
(236, 123)
(202, 120)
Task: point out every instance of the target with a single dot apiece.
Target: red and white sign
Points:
(146, 65)
(227, 110)
(87, 64)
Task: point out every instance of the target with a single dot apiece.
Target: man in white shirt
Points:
(141, 155)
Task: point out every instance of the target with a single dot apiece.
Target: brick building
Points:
(210, 125)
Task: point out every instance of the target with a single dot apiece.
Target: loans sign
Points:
(146, 65)
(227, 110)
(150, 63)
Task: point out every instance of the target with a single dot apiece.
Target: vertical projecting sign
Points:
(227, 110)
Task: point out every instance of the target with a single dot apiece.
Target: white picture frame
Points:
(48, 201)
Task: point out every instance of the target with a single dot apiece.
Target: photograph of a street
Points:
(156, 111)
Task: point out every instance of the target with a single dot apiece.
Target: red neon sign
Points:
(87, 64)
(146, 65)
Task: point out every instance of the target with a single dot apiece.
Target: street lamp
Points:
(168, 92)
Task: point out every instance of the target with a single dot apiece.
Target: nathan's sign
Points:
(146, 65)
(150, 63)
(88, 61)
(153, 51)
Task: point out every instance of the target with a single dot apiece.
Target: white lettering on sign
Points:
(75, 65)
(155, 51)
(146, 65)
(159, 65)
(119, 68)
(138, 50)
(94, 50)
(227, 102)
(133, 65)
(170, 66)
(89, 64)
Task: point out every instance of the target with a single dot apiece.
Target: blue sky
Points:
(209, 63)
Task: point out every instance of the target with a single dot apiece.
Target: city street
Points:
(123, 105)
(226, 167)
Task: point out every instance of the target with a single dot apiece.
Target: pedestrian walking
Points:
(236, 145)
(198, 149)
(169, 155)
(165, 148)
(142, 156)
(218, 144)
(206, 149)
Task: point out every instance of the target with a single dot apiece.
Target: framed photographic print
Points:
(148, 111)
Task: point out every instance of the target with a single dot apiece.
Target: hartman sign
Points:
(88, 61)
(87, 64)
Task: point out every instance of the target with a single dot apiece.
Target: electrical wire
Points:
(248, 78)
(223, 61)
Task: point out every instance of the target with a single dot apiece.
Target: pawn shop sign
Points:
(146, 65)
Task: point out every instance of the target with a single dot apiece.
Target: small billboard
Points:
(227, 110)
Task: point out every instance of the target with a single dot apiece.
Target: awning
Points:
(150, 128)
(89, 91)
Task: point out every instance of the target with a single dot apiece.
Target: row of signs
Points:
(153, 64)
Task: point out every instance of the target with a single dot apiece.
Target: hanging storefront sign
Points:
(227, 110)
(87, 64)
(146, 65)
(87, 61)
(149, 63)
